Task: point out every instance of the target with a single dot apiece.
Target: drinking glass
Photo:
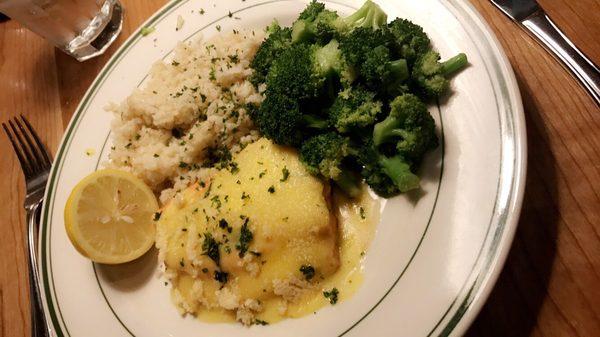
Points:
(80, 28)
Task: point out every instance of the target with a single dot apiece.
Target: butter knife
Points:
(533, 18)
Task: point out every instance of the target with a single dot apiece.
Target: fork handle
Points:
(553, 39)
(39, 328)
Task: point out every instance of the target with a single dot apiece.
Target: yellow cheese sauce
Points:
(357, 220)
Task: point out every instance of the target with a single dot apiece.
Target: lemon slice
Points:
(109, 217)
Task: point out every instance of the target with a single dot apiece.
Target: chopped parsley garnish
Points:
(361, 211)
(234, 58)
(286, 174)
(224, 225)
(183, 164)
(215, 202)
(210, 247)
(156, 155)
(176, 132)
(181, 263)
(201, 11)
(174, 63)
(332, 295)
(245, 239)
(308, 272)
(229, 14)
(262, 174)
(205, 270)
(218, 27)
(271, 189)
(221, 276)
(260, 322)
(157, 216)
(233, 167)
(245, 196)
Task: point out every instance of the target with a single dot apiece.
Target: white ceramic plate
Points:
(432, 263)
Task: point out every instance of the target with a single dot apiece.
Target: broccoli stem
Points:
(400, 69)
(348, 183)
(314, 122)
(454, 64)
(399, 171)
(384, 130)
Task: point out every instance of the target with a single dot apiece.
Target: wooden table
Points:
(550, 285)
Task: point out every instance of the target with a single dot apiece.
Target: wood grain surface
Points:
(550, 285)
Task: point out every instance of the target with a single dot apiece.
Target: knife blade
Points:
(533, 18)
(517, 10)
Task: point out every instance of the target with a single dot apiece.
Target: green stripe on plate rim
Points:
(75, 124)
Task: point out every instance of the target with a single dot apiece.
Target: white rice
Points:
(199, 97)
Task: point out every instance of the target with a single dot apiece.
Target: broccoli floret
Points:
(329, 60)
(360, 43)
(382, 74)
(353, 109)
(387, 176)
(430, 75)
(323, 155)
(318, 24)
(318, 27)
(409, 40)
(410, 126)
(370, 15)
(301, 71)
(278, 40)
(279, 118)
(295, 75)
(311, 11)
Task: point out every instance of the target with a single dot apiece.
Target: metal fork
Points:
(35, 162)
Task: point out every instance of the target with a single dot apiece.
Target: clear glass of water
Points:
(80, 28)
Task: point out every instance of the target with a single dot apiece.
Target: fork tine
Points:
(35, 153)
(40, 145)
(24, 164)
(26, 151)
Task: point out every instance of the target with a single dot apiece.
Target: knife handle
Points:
(552, 38)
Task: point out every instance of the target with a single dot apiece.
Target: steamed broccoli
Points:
(278, 40)
(323, 155)
(387, 176)
(408, 39)
(343, 91)
(410, 126)
(430, 75)
(353, 109)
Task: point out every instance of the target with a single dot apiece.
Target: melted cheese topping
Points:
(203, 234)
